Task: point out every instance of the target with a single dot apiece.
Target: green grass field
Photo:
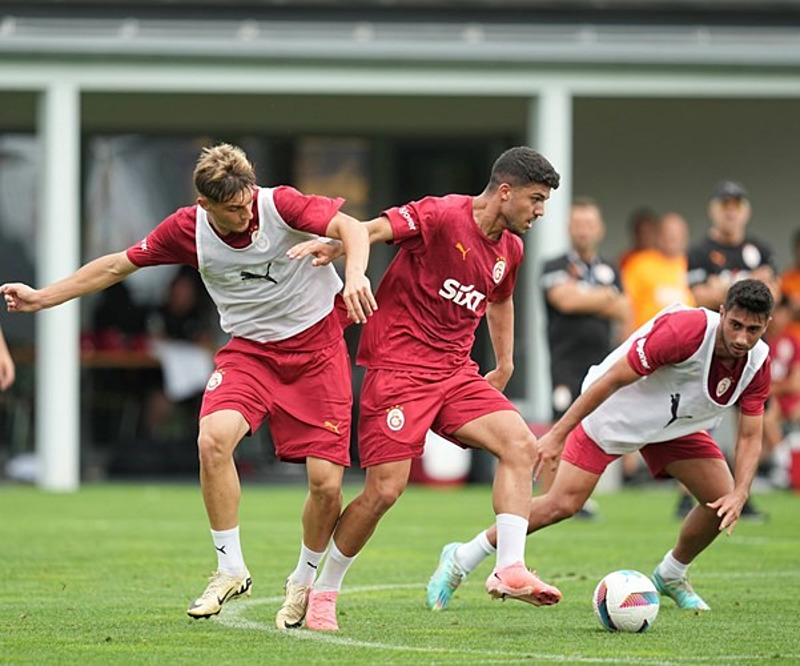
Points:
(104, 576)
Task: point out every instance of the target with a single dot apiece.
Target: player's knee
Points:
(520, 451)
(382, 496)
(325, 490)
(212, 449)
(563, 507)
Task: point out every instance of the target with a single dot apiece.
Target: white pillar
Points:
(58, 255)
(549, 132)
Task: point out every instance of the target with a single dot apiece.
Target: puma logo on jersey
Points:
(462, 250)
(333, 427)
(675, 403)
(465, 295)
(247, 275)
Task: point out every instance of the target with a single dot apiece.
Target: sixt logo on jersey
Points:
(406, 215)
(465, 295)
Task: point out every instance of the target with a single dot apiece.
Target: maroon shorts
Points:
(583, 452)
(307, 397)
(398, 408)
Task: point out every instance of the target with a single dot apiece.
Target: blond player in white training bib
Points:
(286, 359)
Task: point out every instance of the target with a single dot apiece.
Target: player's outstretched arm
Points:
(357, 290)
(92, 277)
(324, 252)
(552, 443)
(745, 463)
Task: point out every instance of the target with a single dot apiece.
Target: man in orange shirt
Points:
(656, 278)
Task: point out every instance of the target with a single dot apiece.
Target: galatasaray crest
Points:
(395, 419)
(499, 270)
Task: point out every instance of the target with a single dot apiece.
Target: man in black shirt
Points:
(727, 253)
(583, 295)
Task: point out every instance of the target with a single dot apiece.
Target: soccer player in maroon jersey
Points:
(286, 358)
(659, 393)
(458, 260)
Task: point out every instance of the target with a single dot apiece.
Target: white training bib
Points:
(672, 402)
(260, 293)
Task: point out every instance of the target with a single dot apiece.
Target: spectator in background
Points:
(654, 279)
(118, 322)
(644, 234)
(187, 312)
(584, 298)
(728, 254)
(186, 317)
(7, 371)
(790, 287)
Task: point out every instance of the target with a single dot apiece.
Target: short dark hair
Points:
(520, 166)
(751, 295)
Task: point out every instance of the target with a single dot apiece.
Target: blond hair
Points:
(222, 172)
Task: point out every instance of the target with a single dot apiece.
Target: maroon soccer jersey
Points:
(436, 289)
(676, 336)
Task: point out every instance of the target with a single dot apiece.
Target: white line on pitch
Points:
(230, 617)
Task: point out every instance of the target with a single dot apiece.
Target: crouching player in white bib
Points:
(658, 393)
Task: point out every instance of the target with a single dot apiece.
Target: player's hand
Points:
(358, 298)
(7, 372)
(21, 298)
(550, 448)
(728, 509)
(323, 253)
(498, 378)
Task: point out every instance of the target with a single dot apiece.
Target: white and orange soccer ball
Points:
(626, 600)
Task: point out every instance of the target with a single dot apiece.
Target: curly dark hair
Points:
(751, 295)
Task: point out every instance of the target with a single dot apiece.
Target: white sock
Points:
(469, 555)
(511, 533)
(333, 571)
(672, 569)
(307, 566)
(229, 551)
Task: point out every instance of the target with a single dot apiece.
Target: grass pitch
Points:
(105, 575)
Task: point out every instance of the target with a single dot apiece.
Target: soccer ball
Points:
(626, 600)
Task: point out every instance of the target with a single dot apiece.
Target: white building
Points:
(635, 102)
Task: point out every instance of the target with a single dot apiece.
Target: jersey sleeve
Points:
(673, 338)
(306, 212)
(171, 242)
(754, 397)
(413, 222)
